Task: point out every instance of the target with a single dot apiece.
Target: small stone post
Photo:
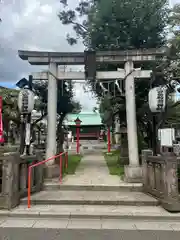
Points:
(145, 154)
(10, 181)
(171, 199)
(39, 172)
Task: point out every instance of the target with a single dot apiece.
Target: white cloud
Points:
(82, 92)
(172, 2)
(47, 9)
(33, 25)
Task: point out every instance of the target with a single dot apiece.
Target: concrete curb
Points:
(52, 187)
(90, 202)
(49, 215)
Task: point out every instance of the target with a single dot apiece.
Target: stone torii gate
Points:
(128, 58)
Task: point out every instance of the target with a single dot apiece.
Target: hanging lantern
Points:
(157, 99)
(26, 101)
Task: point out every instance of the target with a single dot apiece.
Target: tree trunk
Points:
(117, 131)
(60, 134)
(124, 154)
(6, 130)
(60, 140)
(22, 135)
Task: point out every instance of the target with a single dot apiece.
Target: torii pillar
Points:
(133, 171)
(52, 112)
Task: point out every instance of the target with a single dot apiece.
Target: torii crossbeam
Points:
(104, 75)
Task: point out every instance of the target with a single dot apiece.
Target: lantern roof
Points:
(77, 120)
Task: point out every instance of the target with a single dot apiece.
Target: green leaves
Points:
(64, 3)
(118, 24)
(122, 25)
(76, 107)
(67, 17)
(10, 107)
(65, 103)
(83, 8)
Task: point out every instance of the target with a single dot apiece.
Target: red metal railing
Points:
(40, 163)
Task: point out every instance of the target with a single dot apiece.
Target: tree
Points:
(40, 89)
(122, 25)
(65, 105)
(117, 24)
(95, 109)
(76, 107)
(174, 41)
(10, 109)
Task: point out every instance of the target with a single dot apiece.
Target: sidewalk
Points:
(92, 170)
(89, 230)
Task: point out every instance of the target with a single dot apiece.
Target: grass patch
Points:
(113, 163)
(73, 162)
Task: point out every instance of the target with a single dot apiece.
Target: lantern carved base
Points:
(132, 174)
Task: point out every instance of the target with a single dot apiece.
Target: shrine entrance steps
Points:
(86, 203)
(92, 205)
(92, 193)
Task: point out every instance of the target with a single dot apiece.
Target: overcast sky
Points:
(34, 25)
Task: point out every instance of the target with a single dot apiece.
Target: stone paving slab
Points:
(92, 170)
(68, 223)
(18, 223)
(54, 184)
(84, 223)
(92, 197)
(57, 224)
(92, 212)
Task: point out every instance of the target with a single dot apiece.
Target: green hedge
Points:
(73, 162)
(113, 161)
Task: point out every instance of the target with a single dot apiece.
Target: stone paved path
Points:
(87, 230)
(92, 171)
